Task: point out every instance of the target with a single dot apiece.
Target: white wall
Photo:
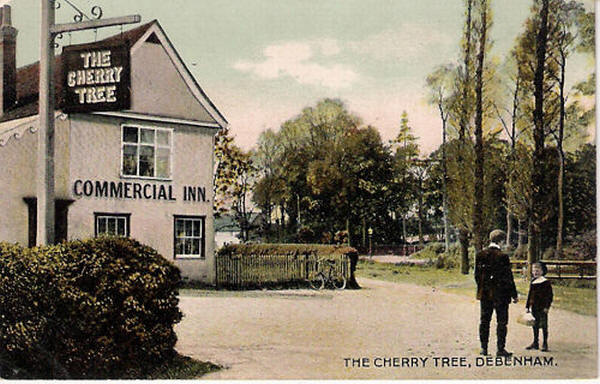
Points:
(18, 177)
(158, 89)
(95, 155)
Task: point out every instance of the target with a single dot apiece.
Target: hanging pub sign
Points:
(96, 78)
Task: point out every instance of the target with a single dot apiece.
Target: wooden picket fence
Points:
(255, 271)
(562, 269)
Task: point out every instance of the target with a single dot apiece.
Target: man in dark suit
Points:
(495, 289)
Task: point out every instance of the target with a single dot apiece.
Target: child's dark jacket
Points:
(540, 294)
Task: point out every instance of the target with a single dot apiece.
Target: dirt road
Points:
(301, 334)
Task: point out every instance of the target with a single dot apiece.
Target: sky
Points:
(262, 61)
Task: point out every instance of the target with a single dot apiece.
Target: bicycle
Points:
(331, 278)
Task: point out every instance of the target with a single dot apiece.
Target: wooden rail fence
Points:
(236, 271)
(562, 269)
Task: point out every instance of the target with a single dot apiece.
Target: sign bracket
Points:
(71, 27)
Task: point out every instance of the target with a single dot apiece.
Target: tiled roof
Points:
(28, 76)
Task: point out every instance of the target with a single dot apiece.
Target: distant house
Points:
(227, 231)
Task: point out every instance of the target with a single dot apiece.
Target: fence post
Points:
(217, 258)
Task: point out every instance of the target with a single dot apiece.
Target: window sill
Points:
(146, 178)
(189, 257)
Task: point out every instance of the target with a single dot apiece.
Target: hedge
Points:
(285, 249)
(99, 308)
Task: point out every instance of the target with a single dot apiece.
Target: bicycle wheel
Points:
(317, 282)
(339, 282)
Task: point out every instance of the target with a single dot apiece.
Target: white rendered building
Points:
(143, 172)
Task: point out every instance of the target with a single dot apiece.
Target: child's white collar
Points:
(493, 245)
(539, 280)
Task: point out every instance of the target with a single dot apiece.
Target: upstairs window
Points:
(146, 152)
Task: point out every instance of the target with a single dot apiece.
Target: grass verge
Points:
(574, 299)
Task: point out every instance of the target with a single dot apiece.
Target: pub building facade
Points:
(134, 139)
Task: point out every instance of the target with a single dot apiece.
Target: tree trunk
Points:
(446, 227)
(364, 232)
(464, 119)
(532, 251)
(420, 213)
(522, 235)
(559, 228)
(404, 228)
(463, 237)
(537, 179)
(348, 229)
(478, 226)
(444, 185)
(561, 171)
(509, 229)
(421, 239)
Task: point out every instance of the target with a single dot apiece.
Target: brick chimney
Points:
(8, 61)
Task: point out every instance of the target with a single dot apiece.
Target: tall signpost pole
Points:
(45, 157)
(45, 233)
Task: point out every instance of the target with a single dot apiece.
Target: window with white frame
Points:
(189, 237)
(146, 152)
(113, 224)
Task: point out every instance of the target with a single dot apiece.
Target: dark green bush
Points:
(452, 258)
(582, 246)
(306, 234)
(99, 308)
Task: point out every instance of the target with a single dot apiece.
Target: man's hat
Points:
(497, 236)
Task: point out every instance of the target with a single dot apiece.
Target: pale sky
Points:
(262, 61)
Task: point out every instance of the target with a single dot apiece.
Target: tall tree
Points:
(406, 149)
(509, 112)
(439, 84)
(268, 191)
(464, 104)
(563, 42)
(541, 9)
(482, 28)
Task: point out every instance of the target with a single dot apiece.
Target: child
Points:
(539, 300)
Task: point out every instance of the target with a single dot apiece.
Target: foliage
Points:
(430, 251)
(580, 190)
(584, 246)
(325, 171)
(100, 308)
(305, 234)
(234, 178)
(441, 259)
(406, 141)
(180, 368)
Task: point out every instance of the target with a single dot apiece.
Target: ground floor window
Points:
(189, 237)
(114, 224)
